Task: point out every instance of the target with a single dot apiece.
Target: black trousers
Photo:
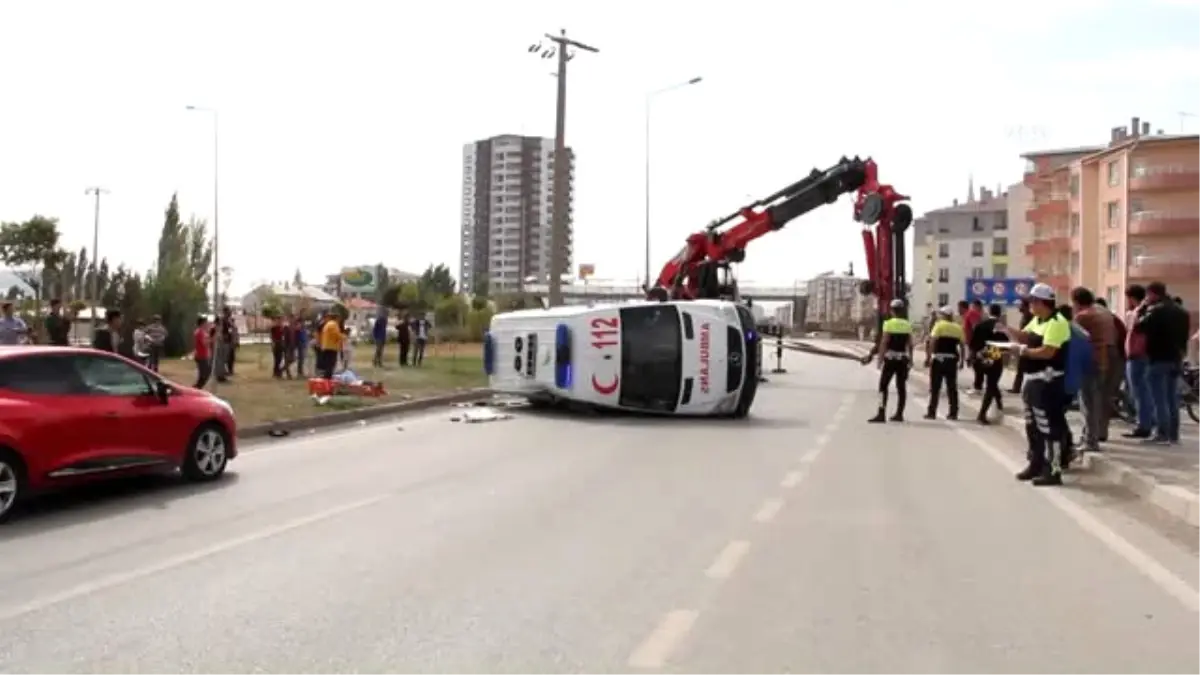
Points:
(277, 359)
(204, 368)
(980, 373)
(991, 386)
(1046, 424)
(894, 369)
(404, 346)
(943, 373)
(327, 360)
(418, 352)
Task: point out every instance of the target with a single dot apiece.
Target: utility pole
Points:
(562, 168)
(95, 289)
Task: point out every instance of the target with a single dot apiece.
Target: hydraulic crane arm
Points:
(693, 273)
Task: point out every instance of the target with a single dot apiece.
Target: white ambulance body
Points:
(696, 358)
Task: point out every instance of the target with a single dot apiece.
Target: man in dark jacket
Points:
(1026, 317)
(108, 336)
(58, 327)
(1165, 327)
(989, 362)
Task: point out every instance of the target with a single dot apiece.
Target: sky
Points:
(341, 125)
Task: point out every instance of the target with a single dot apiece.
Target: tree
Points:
(480, 300)
(14, 293)
(176, 288)
(450, 312)
(297, 280)
(32, 248)
(478, 321)
(436, 281)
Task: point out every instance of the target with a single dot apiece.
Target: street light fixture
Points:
(649, 282)
(95, 285)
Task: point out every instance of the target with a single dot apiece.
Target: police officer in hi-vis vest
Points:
(1043, 354)
(945, 353)
(894, 356)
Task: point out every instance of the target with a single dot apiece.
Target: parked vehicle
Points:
(71, 415)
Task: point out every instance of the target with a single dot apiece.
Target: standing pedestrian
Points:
(1136, 364)
(202, 351)
(12, 328)
(58, 327)
(379, 334)
(157, 334)
(302, 340)
(972, 314)
(990, 360)
(141, 343)
(1026, 317)
(1044, 345)
(420, 338)
(1094, 399)
(108, 336)
(404, 331)
(1165, 327)
(945, 353)
(894, 349)
(330, 343)
(278, 346)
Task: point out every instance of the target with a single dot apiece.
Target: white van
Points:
(695, 357)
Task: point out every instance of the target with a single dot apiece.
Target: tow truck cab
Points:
(696, 358)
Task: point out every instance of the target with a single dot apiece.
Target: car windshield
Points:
(651, 363)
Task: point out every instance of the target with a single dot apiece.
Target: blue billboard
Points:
(1000, 291)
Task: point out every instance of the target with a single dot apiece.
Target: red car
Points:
(71, 415)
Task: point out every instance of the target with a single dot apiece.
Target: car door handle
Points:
(111, 414)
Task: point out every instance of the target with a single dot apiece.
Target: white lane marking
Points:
(767, 512)
(658, 646)
(822, 440)
(848, 399)
(810, 456)
(727, 560)
(832, 426)
(122, 578)
(1148, 566)
(792, 479)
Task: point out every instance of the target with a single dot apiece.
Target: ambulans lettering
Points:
(604, 334)
(704, 356)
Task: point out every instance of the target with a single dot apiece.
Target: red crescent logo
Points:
(606, 389)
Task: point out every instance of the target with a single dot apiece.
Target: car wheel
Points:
(12, 482)
(207, 454)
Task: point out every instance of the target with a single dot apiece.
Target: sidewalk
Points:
(1166, 476)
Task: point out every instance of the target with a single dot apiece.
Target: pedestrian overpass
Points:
(578, 292)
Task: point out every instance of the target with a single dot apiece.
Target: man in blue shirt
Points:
(379, 335)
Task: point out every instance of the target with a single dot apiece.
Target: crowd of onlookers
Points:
(1141, 348)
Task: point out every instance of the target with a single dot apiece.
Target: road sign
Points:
(1002, 291)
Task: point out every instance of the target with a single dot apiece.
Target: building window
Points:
(1114, 213)
(1114, 256)
(976, 226)
(1136, 206)
(1074, 262)
(1000, 222)
(944, 275)
(1000, 271)
(943, 299)
(1073, 186)
(1114, 173)
(943, 250)
(1000, 246)
(1074, 224)
(976, 272)
(1113, 293)
(977, 249)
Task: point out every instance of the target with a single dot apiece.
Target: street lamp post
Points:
(216, 232)
(649, 281)
(95, 285)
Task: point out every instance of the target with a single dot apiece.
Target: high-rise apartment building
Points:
(835, 303)
(1114, 215)
(975, 239)
(507, 212)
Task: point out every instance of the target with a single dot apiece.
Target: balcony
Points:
(1146, 268)
(1164, 177)
(1050, 242)
(1054, 204)
(1164, 224)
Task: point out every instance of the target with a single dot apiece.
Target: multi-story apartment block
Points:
(976, 239)
(507, 212)
(835, 303)
(1110, 216)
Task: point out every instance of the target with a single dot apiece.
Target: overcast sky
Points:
(342, 123)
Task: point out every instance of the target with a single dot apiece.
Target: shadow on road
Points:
(101, 501)
(608, 418)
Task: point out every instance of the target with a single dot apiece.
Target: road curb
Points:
(1175, 501)
(254, 431)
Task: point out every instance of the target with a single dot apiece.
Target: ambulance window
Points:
(651, 360)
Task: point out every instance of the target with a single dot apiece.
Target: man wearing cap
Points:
(894, 351)
(945, 353)
(1042, 349)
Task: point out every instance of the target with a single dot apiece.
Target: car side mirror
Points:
(163, 391)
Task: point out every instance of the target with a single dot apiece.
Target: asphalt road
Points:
(800, 540)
